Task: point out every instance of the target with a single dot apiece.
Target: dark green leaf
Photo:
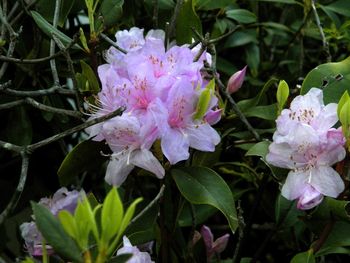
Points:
(55, 235)
(202, 212)
(268, 112)
(259, 149)
(19, 127)
(186, 19)
(241, 15)
(47, 8)
(200, 185)
(286, 212)
(84, 157)
(88, 75)
(333, 209)
(48, 29)
(210, 4)
(333, 78)
(111, 11)
(341, 7)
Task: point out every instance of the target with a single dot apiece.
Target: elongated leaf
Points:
(111, 215)
(282, 94)
(55, 235)
(90, 76)
(47, 7)
(200, 185)
(186, 19)
(268, 112)
(48, 29)
(333, 78)
(241, 15)
(68, 222)
(84, 157)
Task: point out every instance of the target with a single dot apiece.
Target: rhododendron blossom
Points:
(159, 90)
(306, 143)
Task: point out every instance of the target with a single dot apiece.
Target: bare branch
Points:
(52, 43)
(110, 41)
(18, 192)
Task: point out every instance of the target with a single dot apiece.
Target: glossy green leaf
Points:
(111, 11)
(333, 209)
(84, 157)
(268, 112)
(202, 212)
(200, 185)
(186, 19)
(341, 7)
(259, 149)
(304, 257)
(88, 73)
(55, 235)
(333, 78)
(47, 8)
(48, 29)
(241, 15)
(111, 215)
(83, 218)
(282, 94)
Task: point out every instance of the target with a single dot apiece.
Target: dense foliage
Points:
(199, 189)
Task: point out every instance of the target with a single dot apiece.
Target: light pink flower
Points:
(306, 143)
(137, 255)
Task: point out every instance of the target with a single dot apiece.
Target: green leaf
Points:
(47, 8)
(259, 149)
(342, 101)
(210, 4)
(282, 94)
(331, 209)
(91, 78)
(344, 118)
(84, 157)
(19, 127)
(241, 15)
(68, 222)
(186, 19)
(268, 112)
(111, 215)
(304, 257)
(281, 1)
(341, 7)
(200, 185)
(48, 29)
(126, 220)
(111, 11)
(55, 235)
(333, 78)
(204, 100)
(85, 223)
(202, 212)
(286, 212)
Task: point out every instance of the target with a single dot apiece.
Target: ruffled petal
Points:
(175, 146)
(202, 137)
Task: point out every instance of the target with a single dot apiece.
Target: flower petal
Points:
(220, 243)
(202, 137)
(295, 185)
(175, 146)
(145, 159)
(118, 170)
(327, 181)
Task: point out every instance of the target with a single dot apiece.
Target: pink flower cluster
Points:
(306, 143)
(160, 90)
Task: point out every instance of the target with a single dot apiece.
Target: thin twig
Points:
(52, 43)
(11, 104)
(71, 70)
(34, 93)
(75, 129)
(17, 194)
(323, 37)
(40, 106)
(149, 206)
(11, 147)
(38, 60)
(4, 11)
(114, 44)
(24, 10)
(6, 24)
(169, 33)
(241, 226)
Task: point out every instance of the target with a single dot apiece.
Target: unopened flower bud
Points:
(309, 199)
(236, 81)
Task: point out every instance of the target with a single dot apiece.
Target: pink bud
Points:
(309, 199)
(236, 81)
